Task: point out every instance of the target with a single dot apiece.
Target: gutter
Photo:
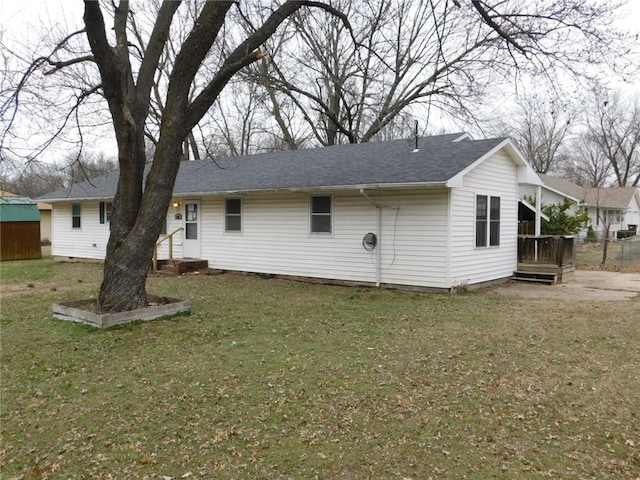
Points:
(77, 199)
(306, 189)
(360, 187)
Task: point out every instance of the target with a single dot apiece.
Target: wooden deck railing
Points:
(548, 250)
(155, 249)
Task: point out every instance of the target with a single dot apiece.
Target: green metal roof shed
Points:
(18, 209)
(19, 228)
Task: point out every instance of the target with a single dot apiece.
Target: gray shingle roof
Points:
(563, 186)
(613, 197)
(610, 197)
(438, 159)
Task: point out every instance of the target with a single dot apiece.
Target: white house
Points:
(615, 207)
(433, 212)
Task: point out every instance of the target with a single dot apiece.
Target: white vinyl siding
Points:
(276, 237)
(528, 193)
(89, 241)
(495, 177)
(632, 215)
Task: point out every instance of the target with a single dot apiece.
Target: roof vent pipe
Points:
(415, 139)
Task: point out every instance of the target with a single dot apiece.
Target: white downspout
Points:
(379, 230)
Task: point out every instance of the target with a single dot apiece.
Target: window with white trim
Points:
(76, 215)
(106, 209)
(487, 221)
(233, 215)
(321, 212)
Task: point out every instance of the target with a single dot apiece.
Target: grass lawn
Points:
(278, 379)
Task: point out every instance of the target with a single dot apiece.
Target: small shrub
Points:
(561, 222)
(620, 234)
(591, 235)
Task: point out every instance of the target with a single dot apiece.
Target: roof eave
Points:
(318, 188)
(75, 199)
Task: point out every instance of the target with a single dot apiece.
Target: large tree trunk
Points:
(125, 270)
(136, 224)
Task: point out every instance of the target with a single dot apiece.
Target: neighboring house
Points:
(19, 228)
(617, 207)
(45, 216)
(443, 212)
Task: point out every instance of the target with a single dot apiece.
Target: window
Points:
(233, 215)
(191, 221)
(321, 214)
(106, 208)
(76, 209)
(494, 221)
(487, 221)
(481, 221)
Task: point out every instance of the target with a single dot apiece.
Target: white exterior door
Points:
(191, 236)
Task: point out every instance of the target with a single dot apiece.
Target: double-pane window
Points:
(233, 215)
(76, 210)
(487, 221)
(321, 214)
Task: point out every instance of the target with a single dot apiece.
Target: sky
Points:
(21, 21)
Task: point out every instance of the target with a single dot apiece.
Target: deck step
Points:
(541, 277)
(180, 266)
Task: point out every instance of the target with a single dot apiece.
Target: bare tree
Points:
(31, 179)
(585, 163)
(81, 166)
(418, 56)
(614, 126)
(35, 178)
(540, 127)
(237, 122)
(602, 218)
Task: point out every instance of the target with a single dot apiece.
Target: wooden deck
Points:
(547, 259)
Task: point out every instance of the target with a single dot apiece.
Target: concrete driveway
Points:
(589, 285)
